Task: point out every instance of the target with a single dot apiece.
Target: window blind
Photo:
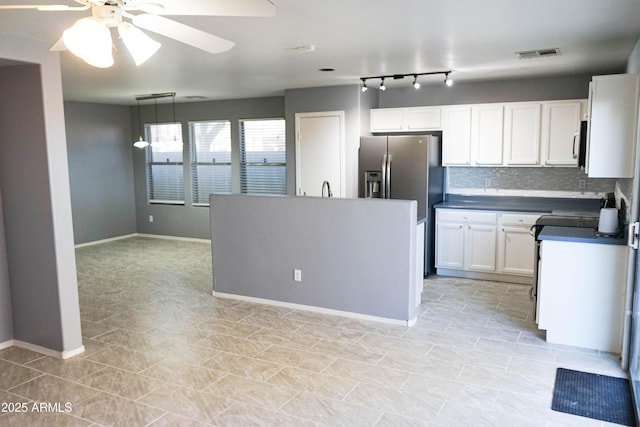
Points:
(165, 175)
(262, 156)
(210, 159)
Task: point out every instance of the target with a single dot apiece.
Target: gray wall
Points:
(633, 64)
(36, 202)
(100, 170)
(6, 320)
(349, 261)
(190, 221)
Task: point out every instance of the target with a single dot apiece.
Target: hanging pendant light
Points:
(141, 142)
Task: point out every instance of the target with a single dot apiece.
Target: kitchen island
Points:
(582, 288)
(356, 257)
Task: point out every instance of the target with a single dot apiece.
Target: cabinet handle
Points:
(574, 155)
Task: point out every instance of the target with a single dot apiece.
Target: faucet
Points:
(326, 183)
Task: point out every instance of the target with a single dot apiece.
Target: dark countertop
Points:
(521, 204)
(578, 235)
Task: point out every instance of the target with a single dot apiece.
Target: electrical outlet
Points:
(150, 218)
(582, 184)
(297, 275)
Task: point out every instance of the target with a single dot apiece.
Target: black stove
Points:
(582, 221)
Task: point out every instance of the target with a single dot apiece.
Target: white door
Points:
(320, 153)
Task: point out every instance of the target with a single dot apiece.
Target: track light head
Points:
(382, 86)
(447, 80)
(416, 85)
(364, 85)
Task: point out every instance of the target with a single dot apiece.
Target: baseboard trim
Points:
(152, 236)
(164, 236)
(508, 278)
(322, 310)
(47, 351)
(100, 242)
(7, 344)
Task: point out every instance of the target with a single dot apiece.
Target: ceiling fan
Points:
(90, 37)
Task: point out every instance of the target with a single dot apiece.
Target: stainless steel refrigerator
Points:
(408, 168)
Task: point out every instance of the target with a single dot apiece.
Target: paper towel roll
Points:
(608, 223)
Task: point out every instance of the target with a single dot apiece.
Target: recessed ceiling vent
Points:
(538, 53)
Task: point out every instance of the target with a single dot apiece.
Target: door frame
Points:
(343, 174)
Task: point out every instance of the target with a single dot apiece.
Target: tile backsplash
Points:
(549, 182)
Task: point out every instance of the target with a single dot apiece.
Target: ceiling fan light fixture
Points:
(140, 45)
(90, 40)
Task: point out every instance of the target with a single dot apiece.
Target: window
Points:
(165, 175)
(262, 156)
(210, 159)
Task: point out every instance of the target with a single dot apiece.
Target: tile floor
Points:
(161, 351)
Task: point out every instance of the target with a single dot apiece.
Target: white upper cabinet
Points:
(522, 134)
(613, 126)
(456, 135)
(387, 120)
(422, 118)
(487, 126)
(561, 132)
(411, 119)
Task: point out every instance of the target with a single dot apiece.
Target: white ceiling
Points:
(475, 39)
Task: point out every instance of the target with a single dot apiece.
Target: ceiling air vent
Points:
(538, 53)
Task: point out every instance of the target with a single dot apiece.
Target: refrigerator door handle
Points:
(384, 177)
(389, 158)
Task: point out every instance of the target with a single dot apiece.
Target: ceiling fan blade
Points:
(219, 7)
(182, 33)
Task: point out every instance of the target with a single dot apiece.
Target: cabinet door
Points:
(561, 133)
(456, 135)
(613, 125)
(481, 247)
(449, 245)
(487, 134)
(522, 134)
(422, 118)
(387, 120)
(516, 251)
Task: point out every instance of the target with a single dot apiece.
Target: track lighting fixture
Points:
(416, 84)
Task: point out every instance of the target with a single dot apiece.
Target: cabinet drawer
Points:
(519, 219)
(476, 217)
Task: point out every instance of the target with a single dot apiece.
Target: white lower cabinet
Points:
(516, 244)
(493, 242)
(466, 240)
(581, 293)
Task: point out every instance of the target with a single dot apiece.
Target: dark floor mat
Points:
(594, 396)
